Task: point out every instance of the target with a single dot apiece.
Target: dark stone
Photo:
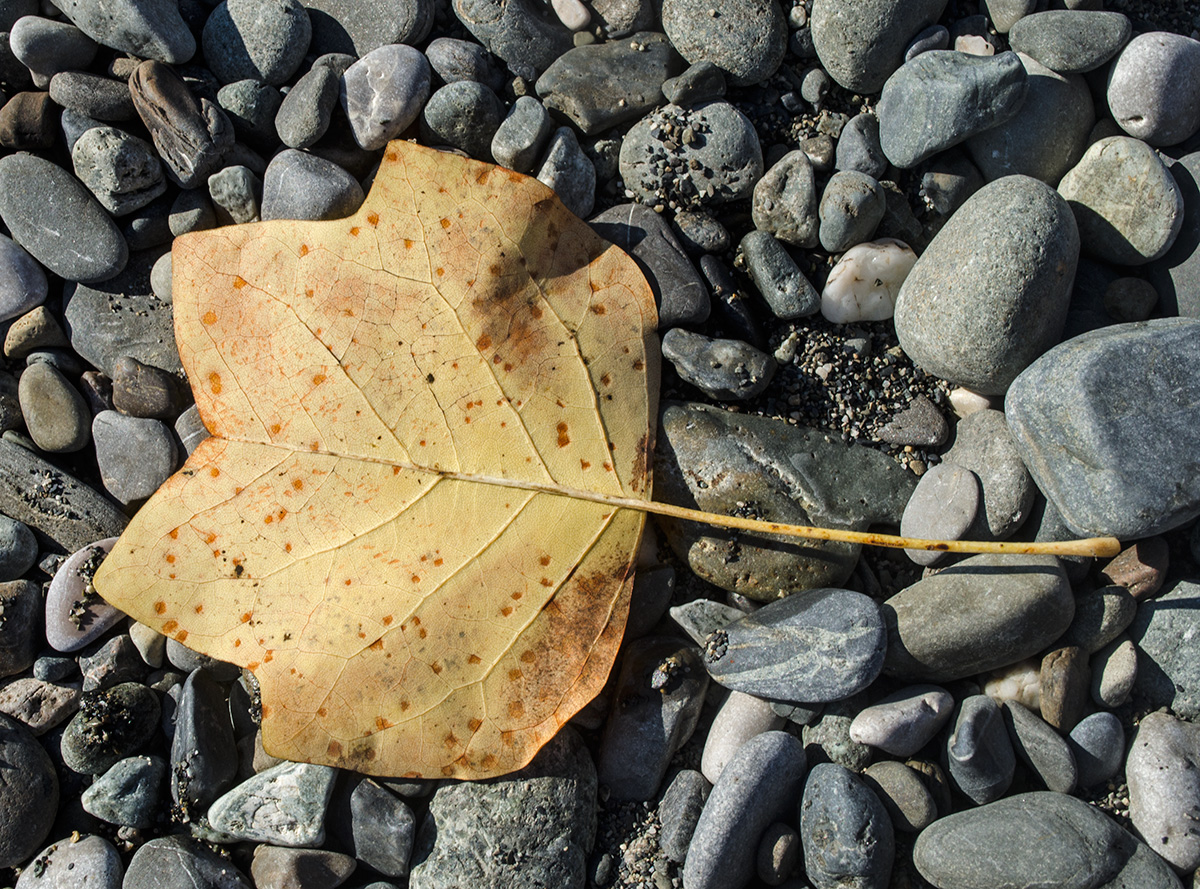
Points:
(979, 755)
(846, 831)
(203, 752)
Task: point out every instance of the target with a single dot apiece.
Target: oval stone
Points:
(812, 647)
(861, 43)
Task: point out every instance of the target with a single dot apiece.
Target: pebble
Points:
(785, 201)
(1167, 676)
(135, 455)
(261, 39)
(727, 370)
(27, 122)
(75, 615)
(700, 617)
(383, 93)
(112, 724)
(567, 170)
(356, 28)
(203, 756)
(299, 185)
(740, 718)
(1064, 684)
(464, 115)
(1174, 276)
(656, 706)
(150, 29)
(778, 853)
(756, 788)
(522, 135)
(100, 98)
(305, 112)
(847, 834)
(1098, 742)
(943, 97)
(778, 279)
(20, 604)
(599, 86)
(860, 45)
(679, 291)
(1154, 88)
(1114, 671)
(909, 804)
(85, 862)
(54, 217)
(978, 753)
(382, 828)
(141, 390)
(1151, 364)
(253, 108)
(1140, 568)
(29, 800)
(944, 506)
(679, 810)
(121, 170)
(23, 285)
(36, 330)
(1101, 615)
(274, 867)
(1039, 838)
(858, 147)
(984, 612)
(722, 166)
(190, 135)
(1071, 41)
(46, 47)
(700, 233)
(905, 721)
(1164, 787)
(544, 813)
(285, 805)
(1042, 749)
(114, 661)
(453, 59)
(179, 862)
(746, 40)
(981, 329)
(129, 793)
(699, 83)
(851, 208)
(813, 646)
(984, 446)
(827, 738)
(866, 281)
(769, 463)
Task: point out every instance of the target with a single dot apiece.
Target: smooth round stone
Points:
(121, 170)
(1114, 672)
(904, 721)
(18, 548)
(521, 136)
(1048, 134)
(27, 122)
(599, 86)
(679, 811)
(1163, 772)
(949, 180)
(846, 831)
(1006, 13)
(984, 612)
(921, 423)
(701, 82)
(1071, 41)
(303, 115)
(785, 201)
(112, 724)
(858, 147)
(653, 714)
(679, 291)
(179, 862)
(38, 331)
(23, 284)
(984, 445)
(27, 806)
(261, 39)
(53, 216)
(746, 41)
(778, 853)
(75, 615)
(1128, 205)
(931, 38)
(188, 661)
(700, 233)
(356, 27)
(141, 390)
(827, 738)
(813, 646)
(203, 754)
(1132, 299)
(1098, 742)
(1035, 839)
(88, 862)
(756, 788)
(1168, 674)
(453, 59)
(943, 507)
(980, 330)
(299, 185)
(851, 208)
(150, 29)
(569, 172)
(47, 47)
(1082, 391)
(740, 718)
(1041, 748)
(1101, 615)
(778, 279)
(1154, 88)
(1176, 276)
(381, 827)
(128, 794)
(866, 281)
(135, 455)
(517, 31)
(723, 166)
(100, 98)
(908, 802)
(55, 413)
(727, 370)
(191, 211)
(943, 97)
(464, 115)
(284, 806)
(252, 107)
(383, 93)
(20, 602)
(979, 755)
(861, 44)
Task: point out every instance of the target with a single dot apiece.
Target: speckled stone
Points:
(747, 41)
(861, 44)
(846, 831)
(28, 793)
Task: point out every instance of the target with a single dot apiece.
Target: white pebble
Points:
(974, 45)
(572, 13)
(864, 284)
(966, 402)
(1020, 682)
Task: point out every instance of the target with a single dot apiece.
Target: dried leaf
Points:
(376, 528)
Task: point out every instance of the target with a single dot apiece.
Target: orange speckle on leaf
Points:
(516, 595)
(170, 557)
(246, 615)
(322, 712)
(269, 656)
(474, 723)
(181, 636)
(267, 710)
(354, 231)
(416, 578)
(516, 709)
(445, 223)
(210, 317)
(170, 626)
(387, 620)
(334, 750)
(437, 668)
(585, 465)
(373, 218)
(546, 581)
(598, 309)
(474, 659)
(160, 607)
(304, 250)
(381, 723)
(174, 534)
(506, 610)
(377, 645)
(199, 609)
(422, 632)
(488, 762)
(214, 383)
(318, 379)
(287, 547)
(563, 438)
(528, 657)
(239, 282)
(515, 675)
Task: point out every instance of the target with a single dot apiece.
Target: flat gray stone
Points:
(1163, 772)
(1167, 674)
(261, 39)
(1041, 748)
(56, 416)
(383, 93)
(983, 444)
(299, 185)
(785, 201)
(813, 646)
(943, 507)
(465, 115)
(23, 284)
(847, 834)
(905, 721)
(87, 862)
(28, 793)
(980, 330)
(746, 41)
(979, 614)
(150, 29)
(979, 755)
(521, 136)
(21, 607)
(1175, 276)
(1101, 615)
(779, 280)
(852, 206)
(304, 113)
(679, 811)
(525, 36)
(1098, 742)
(1071, 41)
(355, 27)
(726, 370)
(284, 806)
(861, 44)
(179, 862)
(569, 171)
(1103, 391)
(902, 791)
(128, 794)
(135, 455)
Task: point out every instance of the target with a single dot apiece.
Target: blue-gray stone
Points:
(517, 31)
(522, 135)
(785, 201)
(847, 834)
(811, 647)
(1176, 275)
(88, 862)
(464, 114)
(983, 444)
(1071, 41)
(757, 787)
(149, 29)
(860, 44)
(726, 370)
(284, 805)
(942, 97)
(858, 147)
(679, 811)
(569, 171)
(746, 41)
(1098, 742)
(851, 208)
(779, 280)
(299, 185)
(130, 793)
(28, 795)
(179, 862)
(256, 39)
(111, 725)
(1168, 675)
(1125, 399)
(979, 755)
(203, 754)
(1041, 748)
(356, 27)
(305, 112)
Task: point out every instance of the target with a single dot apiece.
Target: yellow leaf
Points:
(374, 528)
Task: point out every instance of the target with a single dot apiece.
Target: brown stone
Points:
(1064, 680)
(142, 390)
(1140, 568)
(36, 329)
(27, 121)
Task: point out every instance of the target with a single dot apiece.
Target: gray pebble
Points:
(122, 171)
(27, 806)
(1164, 787)
(160, 280)
(129, 793)
(20, 605)
(1043, 750)
(908, 802)
(111, 724)
(679, 811)
(383, 93)
(983, 444)
(275, 866)
(135, 455)
(189, 660)
(284, 806)
(1114, 225)
(47, 47)
(978, 752)
(356, 27)
(150, 29)
(521, 136)
(18, 551)
(921, 423)
(100, 98)
(1167, 674)
(949, 180)
(943, 97)
(858, 147)
(861, 44)
(933, 37)
(740, 718)
(465, 115)
(1132, 299)
(778, 853)
(905, 721)
(23, 284)
(452, 59)
(851, 208)
(517, 31)
(727, 370)
(203, 756)
(1098, 742)
(1101, 615)
(827, 739)
(785, 201)
(116, 660)
(1006, 13)
(55, 413)
(190, 429)
(1154, 88)
(746, 41)
(305, 112)
(779, 280)
(701, 82)
(699, 232)
(299, 185)
(261, 39)
(700, 617)
(38, 331)
(179, 862)
(567, 170)
(1071, 41)
(847, 834)
(382, 828)
(252, 107)
(1114, 672)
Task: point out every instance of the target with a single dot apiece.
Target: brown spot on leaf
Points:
(334, 750)
(214, 383)
(210, 317)
(474, 659)
(160, 607)
(516, 709)
(563, 438)
(170, 626)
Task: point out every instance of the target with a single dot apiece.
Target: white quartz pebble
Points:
(572, 13)
(864, 284)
